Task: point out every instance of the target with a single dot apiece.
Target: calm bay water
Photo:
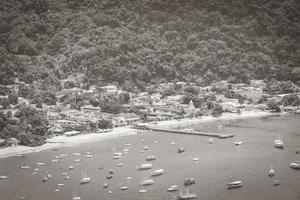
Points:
(218, 162)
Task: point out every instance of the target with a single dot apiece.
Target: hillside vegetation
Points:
(137, 43)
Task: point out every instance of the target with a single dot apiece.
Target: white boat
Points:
(172, 143)
(142, 191)
(294, 165)
(71, 167)
(105, 185)
(195, 159)
(150, 158)
(146, 147)
(75, 196)
(49, 176)
(55, 160)
(45, 179)
(180, 150)
(278, 143)
(127, 144)
(109, 192)
(271, 172)
(85, 179)
(3, 177)
(124, 188)
(60, 184)
(77, 160)
(111, 171)
(238, 143)
(125, 150)
(185, 196)
(76, 154)
(109, 176)
(120, 164)
(88, 156)
(173, 188)
(116, 157)
(64, 173)
(40, 164)
(211, 141)
(157, 172)
(234, 184)
(24, 167)
(147, 182)
(145, 166)
(129, 178)
(155, 142)
(67, 177)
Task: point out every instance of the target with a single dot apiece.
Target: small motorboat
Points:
(127, 144)
(238, 143)
(155, 142)
(88, 156)
(173, 188)
(71, 167)
(64, 173)
(189, 181)
(75, 196)
(124, 188)
(85, 179)
(146, 147)
(276, 183)
(125, 150)
(157, 172)
(195, 159)
(77, 160)
(3, 177)
(55, 160)
(109, 176)
(116, 157)
(40, 164)
(45, 179)
(211, 141)
(76, 154)
(24, 167)
(105, 185)
(60, 184)
(150, 158)
(120, 164)
(294, 165)
(172, 143)
(278, 143)
(57, 190)
(111, 171)
(185, 196)
(271, 172)
(129, 178)
(145, 166)
(67, 177)
(49, 176)
(147, 182)
(142, 191)
(180, 150)
(234, 184)
(109, 192)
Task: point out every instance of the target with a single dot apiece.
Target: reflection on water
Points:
(218, 163)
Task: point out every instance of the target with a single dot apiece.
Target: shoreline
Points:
(64, 141)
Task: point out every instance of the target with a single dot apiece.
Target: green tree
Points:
(105, 124)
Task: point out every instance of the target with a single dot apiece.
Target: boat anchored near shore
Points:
(185, 196)
(278, 143)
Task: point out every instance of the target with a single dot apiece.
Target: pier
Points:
(185, 132)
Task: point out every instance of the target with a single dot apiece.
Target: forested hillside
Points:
(139, 42)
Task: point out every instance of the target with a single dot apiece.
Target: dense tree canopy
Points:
(142, 42)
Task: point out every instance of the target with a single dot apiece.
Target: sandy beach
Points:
(62, 141)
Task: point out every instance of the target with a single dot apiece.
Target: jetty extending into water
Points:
(190, 132)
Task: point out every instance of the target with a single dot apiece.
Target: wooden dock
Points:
(220, 136)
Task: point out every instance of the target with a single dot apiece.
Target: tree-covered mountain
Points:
(139, 42)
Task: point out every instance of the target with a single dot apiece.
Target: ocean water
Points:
(218, 163)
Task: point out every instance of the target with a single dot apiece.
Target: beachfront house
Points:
(90, 109)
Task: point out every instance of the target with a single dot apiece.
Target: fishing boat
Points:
(75, 196)
(85, 179)
(157, 172)
(271, 172)
(3, 177)
(24, 167)
(234, 184)
(185, 196)
(278, 143)
(238, 143)
(124, 188)
(294, 165)
(172, 188)
(150, 158)
(145, 166)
